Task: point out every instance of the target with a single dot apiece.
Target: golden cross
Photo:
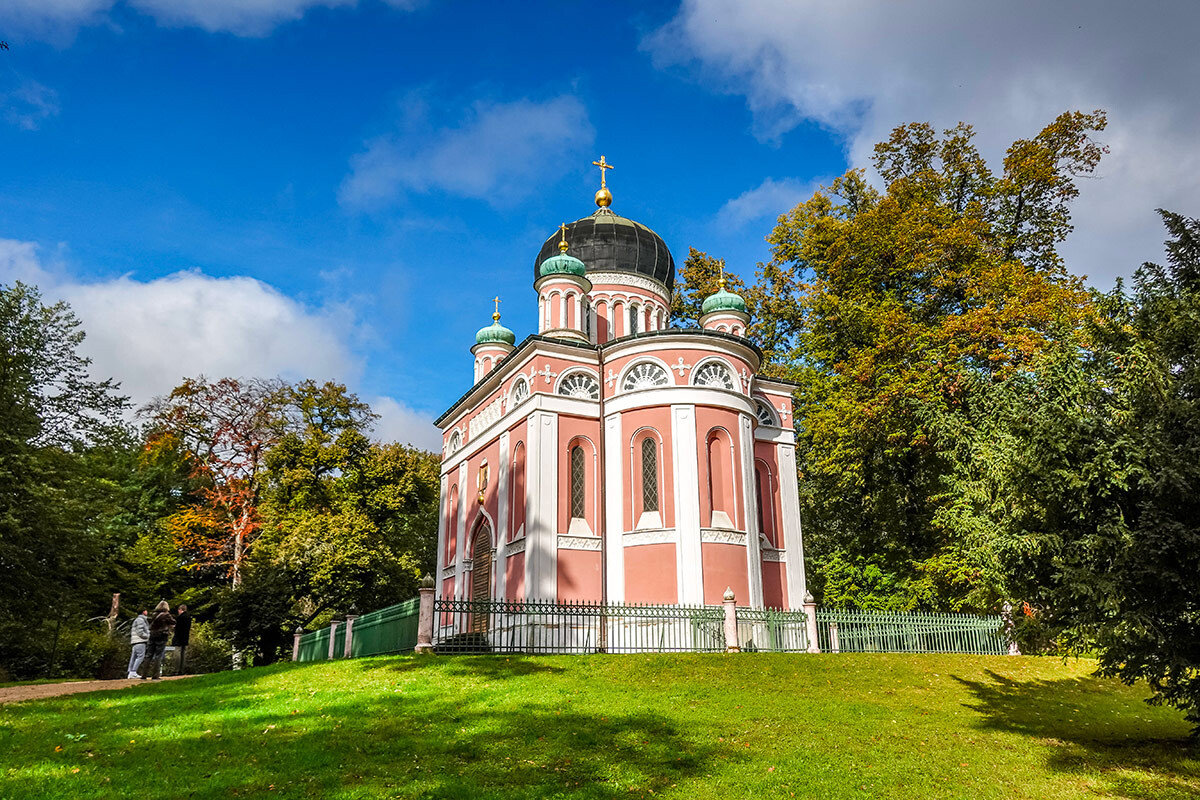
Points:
(721, 283)
(562, 244)
(496, 316)
(603, 165)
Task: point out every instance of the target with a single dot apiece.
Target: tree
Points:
(53, 540)
(225, 428)
(699, 277)
(889, 309)
(1086, 482)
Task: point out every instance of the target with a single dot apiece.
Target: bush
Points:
(90, 653)
(207, 650)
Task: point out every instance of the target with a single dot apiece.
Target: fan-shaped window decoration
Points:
(644, 376)
(520, 391)
(455, 442)
(763, 412)
(580, 384)
(578, 483)
(715, 374)
(649, 475)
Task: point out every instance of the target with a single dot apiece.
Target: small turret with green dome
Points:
(723, 300)
(562, 264)
(495, 333)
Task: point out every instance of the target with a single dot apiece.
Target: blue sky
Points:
(338, 189)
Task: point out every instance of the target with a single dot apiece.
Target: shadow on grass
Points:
(485, 666)
(294, 734)
(1095, 726)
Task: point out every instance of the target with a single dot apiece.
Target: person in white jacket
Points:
(138, 636)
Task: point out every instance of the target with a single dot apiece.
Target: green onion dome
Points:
(723, 300)
(562, 264)
(495, 333)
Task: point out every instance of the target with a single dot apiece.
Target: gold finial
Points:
(496, 315)
(721, 282)
(604, 196)
(562, 244)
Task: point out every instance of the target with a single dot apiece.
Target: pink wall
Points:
(650, 574)
(579, 575)
(658, 419)
(585, 433)
(766, 453)
(727, 482)
(514, 577)
(774, 584)
(724, 566)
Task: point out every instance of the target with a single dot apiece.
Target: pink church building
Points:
(610, 457)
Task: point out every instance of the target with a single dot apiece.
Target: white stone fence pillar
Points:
(349, 632)
(332, 634)
(835, 642)
(425, 617)
(731, 629)
(810, 612)
(296, 643)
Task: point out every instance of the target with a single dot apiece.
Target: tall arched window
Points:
(451, 525)
(764, 494)
(578, 484)
(517, 527)
(720, 480)
(649, 474)
(634, 314)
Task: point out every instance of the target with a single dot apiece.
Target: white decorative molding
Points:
(681, 367)
(447, 572)
(578, 542)
(713, 372)
(660, 536)
(484, 419)
(771, 554)
(722, 536)
(581, 384)
(601, 279)
(644, 375)
(545, 372)
(468, 564)
(514, 547)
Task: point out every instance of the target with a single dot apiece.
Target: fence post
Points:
(425, 617)
(1013, 648)
(296, 643)
(810, 613)
(332, 633)
(731, 631)
(835, 643)
(349, 630)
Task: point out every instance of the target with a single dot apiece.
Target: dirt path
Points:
(37, 691)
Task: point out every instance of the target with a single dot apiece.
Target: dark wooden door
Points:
(481, 575)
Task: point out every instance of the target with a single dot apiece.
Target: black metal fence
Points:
(471, 626)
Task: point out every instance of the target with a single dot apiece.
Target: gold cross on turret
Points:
(496, 315)
(562, 244)
(603, 165)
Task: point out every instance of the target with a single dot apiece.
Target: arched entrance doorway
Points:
(481, 572)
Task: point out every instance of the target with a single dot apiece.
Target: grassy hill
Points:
(620, 726)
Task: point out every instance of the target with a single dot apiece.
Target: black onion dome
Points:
(607, 242)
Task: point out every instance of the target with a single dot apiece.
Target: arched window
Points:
(646, 375)
(713, 373)
(634, 311)
(578, 483)
(451, 525)
(455, 441)
(720, 480)
(764, 493)
(763, 412)
(517, 527)
(520, 391)
(649, 475)
(580, 384)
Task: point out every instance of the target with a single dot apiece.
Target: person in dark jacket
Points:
(183, 631)
(161, 626)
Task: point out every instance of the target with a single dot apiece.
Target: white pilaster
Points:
(499, 560)
(460, 548)
(562, 310)
(613, 519)
(793, 542)
(443, 512)
(687, 503)
(750, 507)
(541, 521)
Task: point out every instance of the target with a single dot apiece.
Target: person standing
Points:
(160, 632)
(183, 632)
(138, 634)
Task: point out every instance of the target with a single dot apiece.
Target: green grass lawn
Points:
(691, 726)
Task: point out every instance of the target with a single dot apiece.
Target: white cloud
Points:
(399, 423)
(240, 17)
(860, 68)
(149, 335)
(769, 199)
(28, 105)
(498, 153)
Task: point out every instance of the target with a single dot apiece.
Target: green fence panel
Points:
(855, 631)
(314, 645)
(388, 630)
(772, 630)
